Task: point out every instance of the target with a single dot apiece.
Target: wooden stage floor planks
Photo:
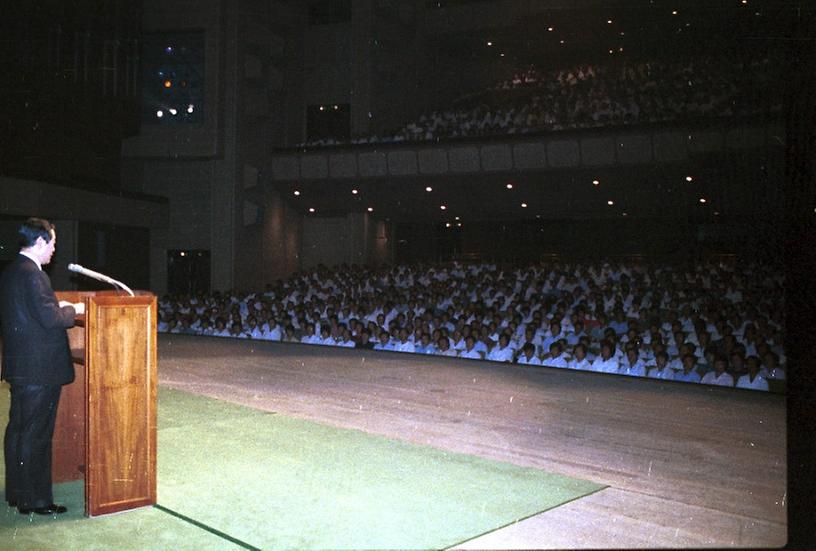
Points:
(687, 465)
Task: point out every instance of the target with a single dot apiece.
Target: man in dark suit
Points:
(36, 363)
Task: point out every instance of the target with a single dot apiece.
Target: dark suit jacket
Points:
(35, 341)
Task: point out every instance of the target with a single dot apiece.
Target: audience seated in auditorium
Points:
(673, 322)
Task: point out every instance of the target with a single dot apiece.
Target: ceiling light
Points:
(524, 205)
(459, 225)
(190, 108)
(456, 218)
(173, 111)
(370, 209)
(321, 108)
(354, 192)
(610, 202)
(551, 29)
(429, 189)
(160, 113)
(296, 192)
(489, 43)
(311, 209)
(674, 12)
(443, 207)
(609, 21)
(501, 54)
(595, 182)
(702, 199)
(509, 186)
(689, 178)
(447, 224)
(562, 41)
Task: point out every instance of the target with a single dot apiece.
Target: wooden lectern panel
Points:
(121, 415)
(68, 457)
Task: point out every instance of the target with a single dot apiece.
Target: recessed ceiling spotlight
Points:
(562, 41)
(370, 209)
(311, 209)
(689, 178)
(595, 182)
(608, 21)
(447, 224)
(550, 29)
(296, 193)
(501, 54)
(509, 186)
(702, 199)
(610, 202)
(611, 51)
(459, 225)
(443, 207)
(489, 43)
(674, 12)
(354, 192)
(456, 218)
(429, 189)
(625, 214)
(160, 113)
(524, 205)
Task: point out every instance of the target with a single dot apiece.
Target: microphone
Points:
(76, 268)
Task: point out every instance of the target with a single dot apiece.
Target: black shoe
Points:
(52, 509)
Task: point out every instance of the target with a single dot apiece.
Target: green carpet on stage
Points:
(231, 476)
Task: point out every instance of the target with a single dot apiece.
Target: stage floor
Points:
(687, 465)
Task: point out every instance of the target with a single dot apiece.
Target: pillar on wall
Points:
(281, 236)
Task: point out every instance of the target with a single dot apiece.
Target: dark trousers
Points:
(28, 444)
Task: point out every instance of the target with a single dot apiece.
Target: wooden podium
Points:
(106, 423)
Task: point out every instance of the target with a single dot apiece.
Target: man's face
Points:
(46, 250)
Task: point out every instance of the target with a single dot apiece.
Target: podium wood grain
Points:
(114, 399)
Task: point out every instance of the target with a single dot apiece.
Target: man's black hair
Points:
(33, 228)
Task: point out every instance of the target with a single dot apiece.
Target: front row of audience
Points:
(618, 355)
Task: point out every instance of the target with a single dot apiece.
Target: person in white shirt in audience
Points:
(555, 358)
(325, 338)
(632, 365)
(424, 346)
(385, 342)
(753, 379)
(220, 328)
(605, 363)
(689, 373)
(236, 331)
(502, 352)
(661, 369)
(310, 337)
(771, 361)
(579, 359)
(443, 348)
(470, 351)
(272, 331)
(719, 376)
(528, 355)
(253, 330)
(345, 340)
(404, 345)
